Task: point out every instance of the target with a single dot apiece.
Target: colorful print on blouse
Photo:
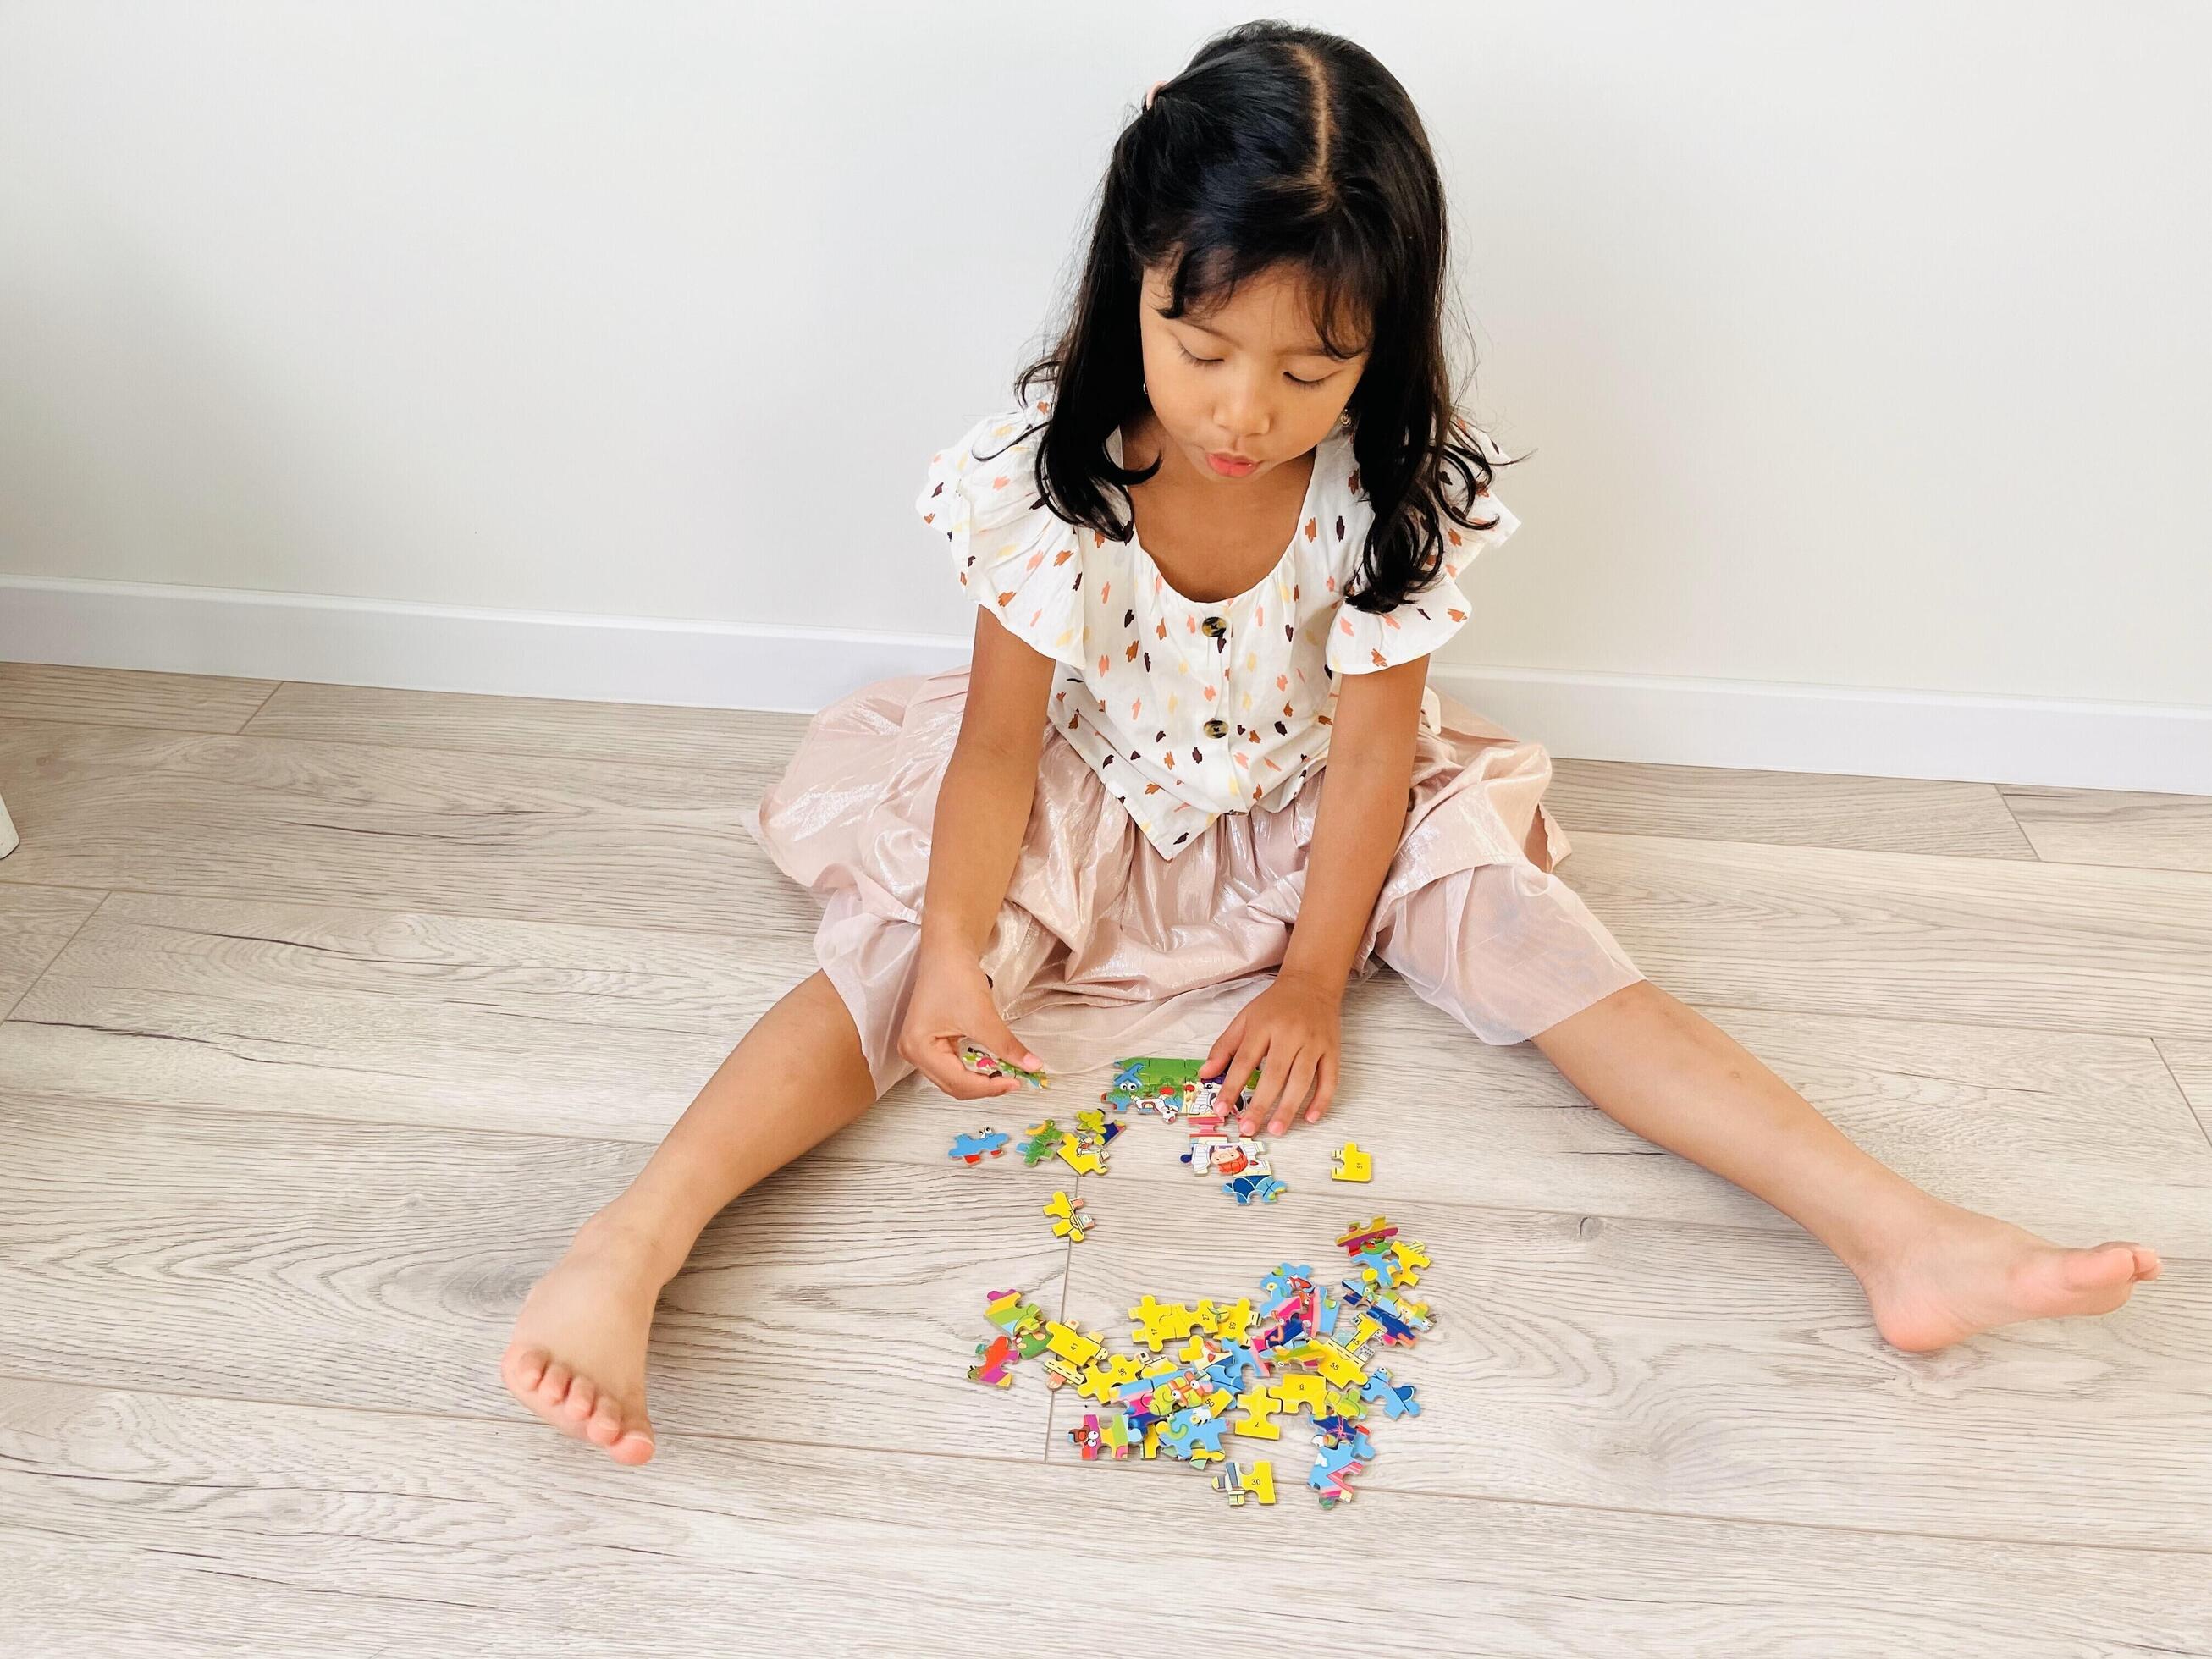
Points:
(1185, 709)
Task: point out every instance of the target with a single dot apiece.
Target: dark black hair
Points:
(1278, 147)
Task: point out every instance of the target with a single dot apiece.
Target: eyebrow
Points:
(1312, 349)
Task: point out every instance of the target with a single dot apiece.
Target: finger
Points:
(1224, 1046)
(940, 1064)
(1002, 1041)
(1295, 1086)
(1251, 1054)
(1324, 1089)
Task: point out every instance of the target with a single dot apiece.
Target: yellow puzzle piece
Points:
(1066, 1223)
(1353, 1164)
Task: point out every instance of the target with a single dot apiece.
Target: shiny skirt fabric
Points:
(1103, 948)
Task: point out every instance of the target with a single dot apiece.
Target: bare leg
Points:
(1934, 1272)
(577, 1357)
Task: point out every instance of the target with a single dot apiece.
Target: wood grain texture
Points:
(749, 741)
(1711, 1371)
(2192, 1066)
(35, 923)
(1785, 809)
(2113, 826)
(1982, 941)
(128, 696)
(555, 840)
(2082, 1138)
(607, 1033)
(382, 1266)
(291, 1528)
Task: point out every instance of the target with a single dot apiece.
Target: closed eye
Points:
(1210, 362)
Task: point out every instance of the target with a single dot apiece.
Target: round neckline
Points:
(1322, 457)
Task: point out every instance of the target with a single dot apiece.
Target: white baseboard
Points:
(1761, 726)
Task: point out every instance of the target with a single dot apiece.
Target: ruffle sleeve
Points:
(1008, 549)
(1360, 642)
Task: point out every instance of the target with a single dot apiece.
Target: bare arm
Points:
(989, 785)
(983, 805)
(1291, 1030)
(1369, 774)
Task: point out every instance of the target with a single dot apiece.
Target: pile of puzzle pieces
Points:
(1303, 1347)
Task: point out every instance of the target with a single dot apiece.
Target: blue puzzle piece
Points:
(1396, 1399)
(1266, 1188)
(1191, 1428)
(1228, 1371)
(1343, 1432)
(1277, 1284)
(1332, 1467)
(974, 1148)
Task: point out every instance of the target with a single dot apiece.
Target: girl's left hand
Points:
(1290, 1032)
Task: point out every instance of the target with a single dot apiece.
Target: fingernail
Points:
(1032, 1063)
(1274, 1128)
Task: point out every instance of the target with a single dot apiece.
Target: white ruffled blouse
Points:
(1185, 709)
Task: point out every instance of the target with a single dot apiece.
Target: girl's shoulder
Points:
(1006, 546)
(987, 476)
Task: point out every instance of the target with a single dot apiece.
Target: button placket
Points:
(1216, 627)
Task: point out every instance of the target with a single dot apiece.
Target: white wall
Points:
(1860, 344)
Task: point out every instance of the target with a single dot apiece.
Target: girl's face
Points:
(1248, 381)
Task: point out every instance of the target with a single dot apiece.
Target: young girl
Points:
(1195, 744)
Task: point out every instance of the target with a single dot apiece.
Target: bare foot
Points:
(1970, 1272)
(577, 1357)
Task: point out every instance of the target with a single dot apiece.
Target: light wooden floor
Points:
(329, 1012)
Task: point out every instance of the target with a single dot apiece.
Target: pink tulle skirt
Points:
(1103, 948)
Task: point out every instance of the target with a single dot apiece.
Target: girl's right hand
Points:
(952, 1003)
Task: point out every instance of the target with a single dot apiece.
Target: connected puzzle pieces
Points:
(980, 1061)
(1213, 1369)
(1065, 1222)
(1168, 1086)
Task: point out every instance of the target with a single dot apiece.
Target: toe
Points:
(606, 1425)
(553, 1387)
(583, 1394)
(2099, 1268)
(521, 1367)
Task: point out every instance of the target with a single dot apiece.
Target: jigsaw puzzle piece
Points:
(1287, 1281)
(1353, 1164)
(996, 1358)
(1260, 1406)
(1065, 1222)
(974, 1148)
(1084, 1160)
(980, 1061)
(1396, 1399)
(1240, 1483)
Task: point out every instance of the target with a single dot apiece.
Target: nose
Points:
(1243, 412)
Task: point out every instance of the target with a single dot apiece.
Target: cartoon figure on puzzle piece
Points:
(1167, 1085)
(1066, 1223)
(1266, 1188)
(982, 1062)
(1239, 1483)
